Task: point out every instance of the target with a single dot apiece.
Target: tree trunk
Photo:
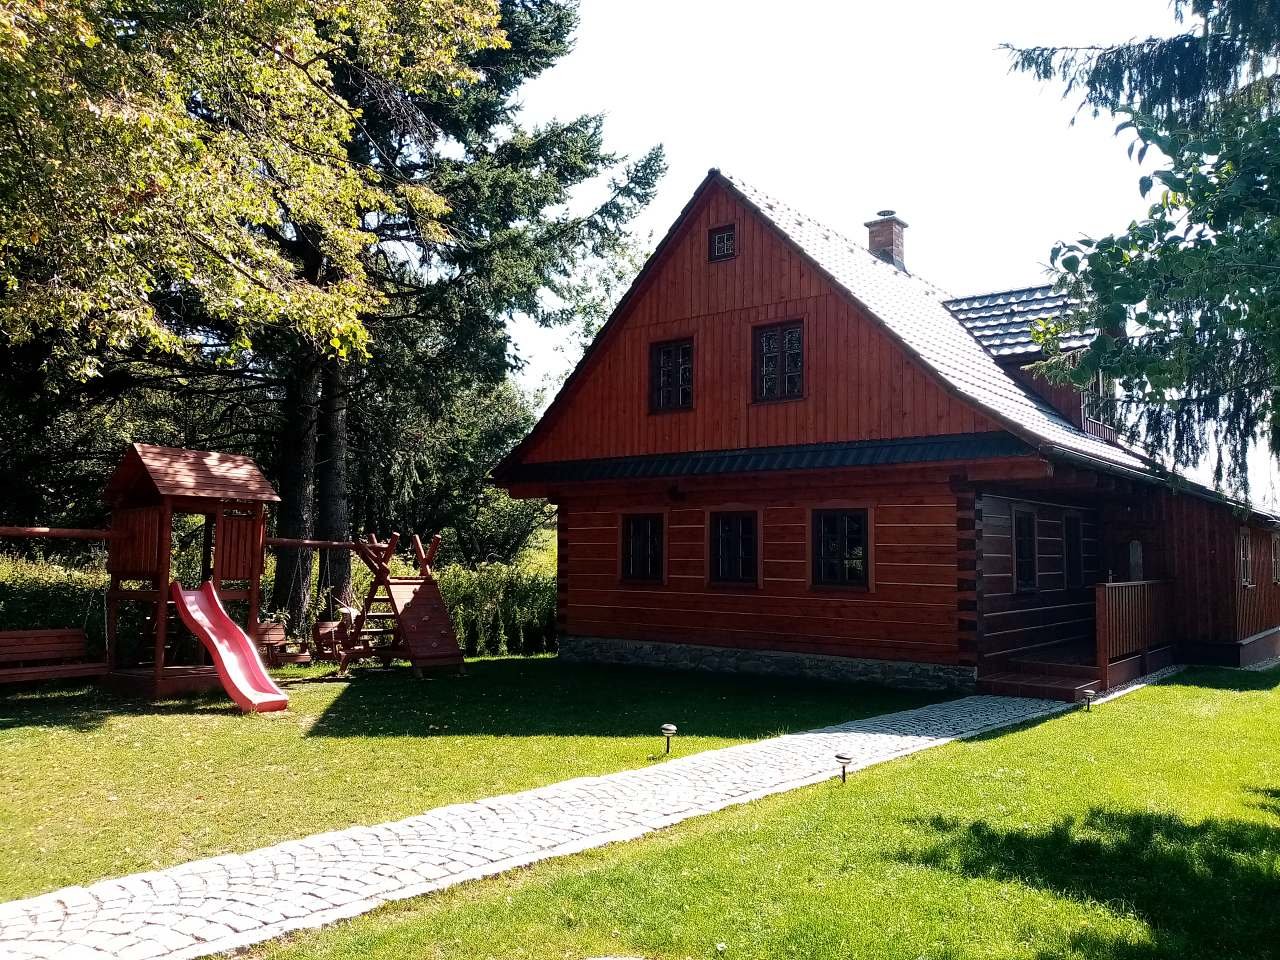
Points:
(332, 521)
(296, 470)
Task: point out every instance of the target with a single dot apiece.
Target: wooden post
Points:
(1102, 628)
(259, 561)
(206, 560)
(163, 570)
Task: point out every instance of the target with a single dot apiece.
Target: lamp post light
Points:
(844, 759)
(668, 731)
(1089, 696)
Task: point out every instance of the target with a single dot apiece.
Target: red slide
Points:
(240, 668)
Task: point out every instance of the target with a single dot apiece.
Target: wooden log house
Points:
(785, 452)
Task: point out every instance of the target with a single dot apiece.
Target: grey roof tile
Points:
(916, 313)
(809, 456)
(1002, 321)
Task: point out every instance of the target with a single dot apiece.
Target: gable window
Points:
(1073, 550)
(722, 243)
(733, 547)
(779, 361)
(642, 546)
(1097, 394)
(1024, 551)
(671, 375)
(1246, 557)
(840, 548)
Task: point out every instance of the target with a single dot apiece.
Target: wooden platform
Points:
(1064, 671)
(172, 682)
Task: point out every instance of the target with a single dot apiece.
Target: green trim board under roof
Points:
(809, 456)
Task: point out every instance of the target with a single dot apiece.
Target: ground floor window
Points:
(1275, 558)
(840, 548)
(642, 546)
(733, 547)
(1246, 557)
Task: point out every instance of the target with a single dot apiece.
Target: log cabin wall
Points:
(1050, 611)
(859, 384)
(1199, 558)
(1258, 600)
(908, 612)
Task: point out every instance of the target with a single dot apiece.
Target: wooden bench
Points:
(45, 655)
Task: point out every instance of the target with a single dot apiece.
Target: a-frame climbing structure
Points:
(401, 617)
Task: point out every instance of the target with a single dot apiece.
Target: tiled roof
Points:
(1002, 321)
(915, 312)
(172, 472)
(810, 456)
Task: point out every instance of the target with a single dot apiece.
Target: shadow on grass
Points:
(80, 706)
(546, 697)
(507, 697)
(1224, 678)
(1205, 889)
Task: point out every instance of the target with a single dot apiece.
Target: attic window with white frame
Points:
(722, 243)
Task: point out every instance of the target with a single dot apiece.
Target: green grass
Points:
(1145, 830)
(95, 785)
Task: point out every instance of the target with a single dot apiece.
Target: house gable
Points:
(860, 383)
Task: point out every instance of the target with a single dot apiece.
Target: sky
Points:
(842, 109)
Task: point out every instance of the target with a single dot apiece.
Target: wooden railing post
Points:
(1102, 632)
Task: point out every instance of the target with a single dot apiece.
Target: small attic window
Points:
(722, 243)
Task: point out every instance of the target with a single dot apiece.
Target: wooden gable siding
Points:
(1258, 604)
(1065, 398)
(1053, 612)
(859, 383)
(909, 613)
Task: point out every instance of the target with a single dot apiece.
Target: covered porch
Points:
(1074, 586)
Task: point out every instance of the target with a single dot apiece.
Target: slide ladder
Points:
(239, 666)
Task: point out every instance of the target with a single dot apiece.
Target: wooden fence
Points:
(1132, 620)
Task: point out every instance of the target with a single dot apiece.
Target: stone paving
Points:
(232, 901)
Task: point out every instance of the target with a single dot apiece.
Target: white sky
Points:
(845, 108)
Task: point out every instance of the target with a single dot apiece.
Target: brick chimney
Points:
(884, 238)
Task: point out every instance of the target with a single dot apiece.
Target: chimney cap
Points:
(883, 215)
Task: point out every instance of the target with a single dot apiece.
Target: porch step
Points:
(1043, 685)
(1081, 671)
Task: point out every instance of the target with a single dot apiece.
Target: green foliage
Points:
(1227, 55)
(165, 150)
(1185, 302)
(501, 607)
(40, 594)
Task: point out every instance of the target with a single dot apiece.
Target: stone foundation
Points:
(688, 656)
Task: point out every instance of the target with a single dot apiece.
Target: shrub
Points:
(501, 607)
(36, 593)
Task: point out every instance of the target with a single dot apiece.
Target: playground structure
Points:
(149, 488)
(407, 611)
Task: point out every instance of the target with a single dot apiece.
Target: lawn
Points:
(1145, 830)
(96, 785)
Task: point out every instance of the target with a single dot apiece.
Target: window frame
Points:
(655, 351)
(1026, 511)
(1275, 558)
(732, 230)
(1244, 557)
(1078, 581)
(758, 333)
(625, 518)
(757, 545)
(812, 545)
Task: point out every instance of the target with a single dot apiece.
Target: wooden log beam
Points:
(315, 544)
(57, 533)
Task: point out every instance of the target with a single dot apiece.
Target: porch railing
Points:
(1132, 619)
